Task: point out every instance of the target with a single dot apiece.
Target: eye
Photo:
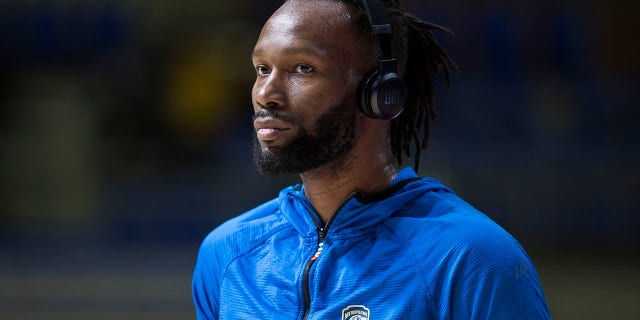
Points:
(262, 70)
(304, 68)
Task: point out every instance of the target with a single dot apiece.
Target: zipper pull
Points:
(318, 252)
(321, 235)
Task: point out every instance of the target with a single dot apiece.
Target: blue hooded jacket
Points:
(416, 251)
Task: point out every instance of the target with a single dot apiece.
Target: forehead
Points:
(324, 14)
(310, 25)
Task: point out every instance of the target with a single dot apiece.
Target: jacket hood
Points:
(357, 213)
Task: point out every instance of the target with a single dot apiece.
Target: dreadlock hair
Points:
(425, 58)
(420, 57)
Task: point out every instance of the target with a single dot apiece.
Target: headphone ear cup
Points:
(364, 93)
(382, 97)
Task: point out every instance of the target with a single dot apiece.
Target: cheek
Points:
(316, 96)
(311, 100)
(310, 106)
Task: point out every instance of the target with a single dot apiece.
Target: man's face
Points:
(304, 93)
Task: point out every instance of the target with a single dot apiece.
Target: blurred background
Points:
(125, 134)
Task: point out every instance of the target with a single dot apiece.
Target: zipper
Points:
(307, 269)
(322, 234)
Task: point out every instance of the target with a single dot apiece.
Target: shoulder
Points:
(235, 238)
(242, 233)
(442, 229)
(465, 256)
(441, 216)
(223, 245)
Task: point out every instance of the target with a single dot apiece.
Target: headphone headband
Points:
(383, 93)
(379, 21)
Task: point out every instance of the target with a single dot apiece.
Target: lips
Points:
(269, 129)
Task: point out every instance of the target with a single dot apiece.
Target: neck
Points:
(327, 187)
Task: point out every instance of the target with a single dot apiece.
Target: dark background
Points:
(125, 133)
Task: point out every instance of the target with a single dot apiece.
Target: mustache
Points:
(268, 113)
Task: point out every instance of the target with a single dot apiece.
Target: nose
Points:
(269, 91)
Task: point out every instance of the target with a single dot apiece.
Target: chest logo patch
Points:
(355, 312)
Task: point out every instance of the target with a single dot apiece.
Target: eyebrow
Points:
(292, 50)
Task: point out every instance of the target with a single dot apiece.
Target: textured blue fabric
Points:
(420, 253)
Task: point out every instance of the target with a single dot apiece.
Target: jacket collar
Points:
(357, 212)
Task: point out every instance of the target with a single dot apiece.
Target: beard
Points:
(334, 136)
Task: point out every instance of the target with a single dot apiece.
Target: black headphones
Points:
(383, 93)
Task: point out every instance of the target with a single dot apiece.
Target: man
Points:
(361, 237)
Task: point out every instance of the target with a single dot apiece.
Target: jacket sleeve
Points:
(205, 283)
(490, 276)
